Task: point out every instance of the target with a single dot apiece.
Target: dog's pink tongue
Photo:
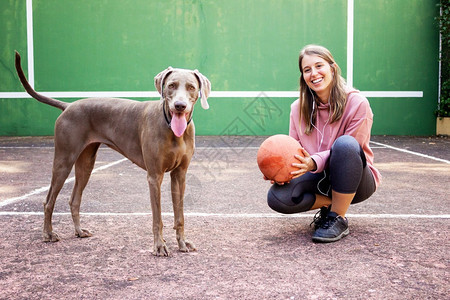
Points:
(178, 124)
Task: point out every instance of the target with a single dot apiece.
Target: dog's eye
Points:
(172, 86)
(191, 88)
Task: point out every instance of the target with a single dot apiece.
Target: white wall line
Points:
(412, 152)
(393, 94)
(214, 94)
(46, 188)
(112, 94)
(236, 216)
(254, 94)
(350, 30)
(30, 43)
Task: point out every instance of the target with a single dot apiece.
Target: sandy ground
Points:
(397, 249)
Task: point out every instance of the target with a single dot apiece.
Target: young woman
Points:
(332, 123)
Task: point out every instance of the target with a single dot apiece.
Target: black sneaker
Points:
(321, 216)
(332, 229)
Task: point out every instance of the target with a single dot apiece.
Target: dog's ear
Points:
(205, 88)
(160, 78)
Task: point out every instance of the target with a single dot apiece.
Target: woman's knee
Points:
(346, 143)
(280, 198)
(347, 148)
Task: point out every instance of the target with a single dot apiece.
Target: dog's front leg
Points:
(154, 182)
(178, 184)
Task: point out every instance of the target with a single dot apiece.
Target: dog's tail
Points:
(41, 98)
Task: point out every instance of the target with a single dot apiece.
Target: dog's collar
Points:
(169, 121)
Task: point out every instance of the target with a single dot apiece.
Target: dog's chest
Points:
(178, 155)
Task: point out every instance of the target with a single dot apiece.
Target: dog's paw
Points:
(83, 233)
(50, 237)
(186, 246)
(161, 250)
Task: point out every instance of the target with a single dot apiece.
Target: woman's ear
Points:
(333, 69)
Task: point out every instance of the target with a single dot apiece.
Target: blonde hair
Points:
(338, 95)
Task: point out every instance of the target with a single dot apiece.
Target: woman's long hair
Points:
(338, 95)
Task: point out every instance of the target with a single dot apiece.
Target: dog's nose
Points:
(180, 106)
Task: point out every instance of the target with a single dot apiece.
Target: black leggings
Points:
(347, 173)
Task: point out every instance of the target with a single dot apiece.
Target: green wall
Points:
(120, 45)
(397, 48)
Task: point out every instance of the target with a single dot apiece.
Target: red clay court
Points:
(397, 248)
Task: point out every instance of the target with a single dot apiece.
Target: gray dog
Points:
(158, 136)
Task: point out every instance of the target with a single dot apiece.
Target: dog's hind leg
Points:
(83, 169)
(62, 165)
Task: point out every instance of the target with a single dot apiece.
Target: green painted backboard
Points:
(241, 46)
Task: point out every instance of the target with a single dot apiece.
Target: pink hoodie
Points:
(356, 121)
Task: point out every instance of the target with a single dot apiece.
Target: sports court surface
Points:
(397, 248)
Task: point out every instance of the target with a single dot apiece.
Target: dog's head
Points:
(181, 88)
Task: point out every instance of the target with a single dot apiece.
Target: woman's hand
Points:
(305, 164)
(273, 181)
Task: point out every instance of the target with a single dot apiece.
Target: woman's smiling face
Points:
(318, 75)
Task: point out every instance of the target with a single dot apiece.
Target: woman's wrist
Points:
(312, 165)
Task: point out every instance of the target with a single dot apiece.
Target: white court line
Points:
(412, 152)
(107, 148)
(380, 146)
(27, 147)
(237, 216)
(46, 188)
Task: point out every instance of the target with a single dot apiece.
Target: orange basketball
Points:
(276, 155)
